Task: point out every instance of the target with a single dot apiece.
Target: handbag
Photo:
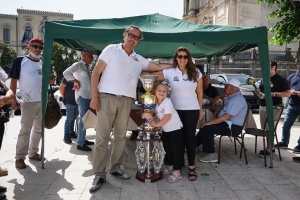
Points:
(89, 120)
(53, 113)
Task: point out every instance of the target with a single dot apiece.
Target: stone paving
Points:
(68, 174)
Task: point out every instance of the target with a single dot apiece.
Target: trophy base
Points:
(153, 178)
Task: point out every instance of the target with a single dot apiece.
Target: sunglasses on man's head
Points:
(131, 36)
(181, 56)
(37, 46)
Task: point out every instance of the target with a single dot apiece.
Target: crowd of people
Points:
(112, 95)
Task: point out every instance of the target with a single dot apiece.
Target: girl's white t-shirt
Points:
(166, 107)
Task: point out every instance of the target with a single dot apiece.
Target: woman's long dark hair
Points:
(191, 71)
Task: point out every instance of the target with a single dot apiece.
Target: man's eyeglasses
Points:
(37, 46)
(131, 36)
(185, 57)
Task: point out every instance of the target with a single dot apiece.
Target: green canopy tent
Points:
(162, 36)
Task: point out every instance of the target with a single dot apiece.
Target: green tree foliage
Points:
(8, 55)
(58, 62)
(287, 29)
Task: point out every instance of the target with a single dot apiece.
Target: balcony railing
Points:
(14, 43)
(254, 55)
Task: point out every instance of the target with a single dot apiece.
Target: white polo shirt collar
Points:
(120, 47)
(184, 76)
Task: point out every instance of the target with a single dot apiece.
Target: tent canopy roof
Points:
(162, 35)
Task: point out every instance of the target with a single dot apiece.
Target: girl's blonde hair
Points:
(156, 84)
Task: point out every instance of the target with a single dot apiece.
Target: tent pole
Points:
(79, 44)
(265, 69)
(229, 49)
(47, 54)
(43, 148)
(208, 66)
(69, 44)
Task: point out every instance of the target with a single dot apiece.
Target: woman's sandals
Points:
(174, 177)
(192, 174)
(168, 170)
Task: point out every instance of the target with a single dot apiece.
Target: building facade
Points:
(232, 13)
(17, 30)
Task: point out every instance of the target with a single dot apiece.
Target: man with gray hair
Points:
(112, 98)
(228, 123)
(79, 74)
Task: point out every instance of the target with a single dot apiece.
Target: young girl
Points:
(172, 136)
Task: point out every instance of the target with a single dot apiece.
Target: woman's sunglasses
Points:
(37, 46)
(181, 56)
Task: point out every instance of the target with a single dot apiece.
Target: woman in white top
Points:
(186, 88)
(172, 135)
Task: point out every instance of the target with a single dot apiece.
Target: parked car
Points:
(217, 80)
(54, 88)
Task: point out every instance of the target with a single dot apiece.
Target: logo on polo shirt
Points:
(135, 58)
(176, 78)
(40, 72)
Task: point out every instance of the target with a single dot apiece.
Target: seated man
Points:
(228, 123)
(209, 92)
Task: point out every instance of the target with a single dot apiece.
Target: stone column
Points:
(185, 7)
(192, 7)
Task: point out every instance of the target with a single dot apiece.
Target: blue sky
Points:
(96, 9)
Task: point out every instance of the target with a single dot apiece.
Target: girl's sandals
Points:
(3, 172)
(192, 174)
(174, 177)
(168, 170)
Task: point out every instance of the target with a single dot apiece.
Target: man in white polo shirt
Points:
(112, 98)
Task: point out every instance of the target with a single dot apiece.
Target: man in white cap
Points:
(229, 121)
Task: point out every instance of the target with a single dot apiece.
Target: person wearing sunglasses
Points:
(27, 70)
(112, 98)
(186, 95)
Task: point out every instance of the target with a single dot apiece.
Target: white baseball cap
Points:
(235, 82)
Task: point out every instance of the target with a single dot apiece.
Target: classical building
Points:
(232, 13)
(17, 30)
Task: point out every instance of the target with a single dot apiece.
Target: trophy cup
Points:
(149, 135)
(148, 101)
(251, 81)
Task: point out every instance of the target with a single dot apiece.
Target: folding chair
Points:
(264, 132)
(235, 138)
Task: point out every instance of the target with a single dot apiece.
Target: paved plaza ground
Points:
(68, 173)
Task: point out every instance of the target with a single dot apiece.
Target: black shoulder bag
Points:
(53, 113)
